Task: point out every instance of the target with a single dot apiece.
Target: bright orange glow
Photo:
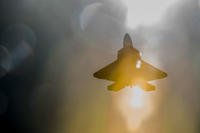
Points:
(135, 106)
(138, 99)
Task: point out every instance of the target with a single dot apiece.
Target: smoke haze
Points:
(53, 48)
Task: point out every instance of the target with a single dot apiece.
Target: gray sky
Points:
(75, 38)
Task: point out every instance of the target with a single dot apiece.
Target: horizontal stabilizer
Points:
(147, 87)
(115, 87)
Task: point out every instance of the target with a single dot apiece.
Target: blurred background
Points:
(50, 49)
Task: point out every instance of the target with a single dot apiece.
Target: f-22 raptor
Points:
(129, 69)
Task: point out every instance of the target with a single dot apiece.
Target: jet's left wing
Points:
(107, 72)
(149, 72)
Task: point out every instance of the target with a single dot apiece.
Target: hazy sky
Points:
(50, 50)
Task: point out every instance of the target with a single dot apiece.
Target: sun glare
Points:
(145, 12)
(137, 100)
(135, 105)
(138, 64)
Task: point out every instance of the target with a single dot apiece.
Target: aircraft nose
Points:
(127, 37)
(127, 40)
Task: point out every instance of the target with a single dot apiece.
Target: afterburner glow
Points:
(136, 105)
(137, 100)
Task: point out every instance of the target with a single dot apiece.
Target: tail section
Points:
(143, 85)
(115, 87)
(147, 87)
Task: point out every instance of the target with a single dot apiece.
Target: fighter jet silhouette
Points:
(129, 69)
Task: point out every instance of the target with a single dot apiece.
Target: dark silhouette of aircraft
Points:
(129, 69)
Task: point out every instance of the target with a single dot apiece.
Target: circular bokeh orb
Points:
(5, 61)
(17, 33)
(87, 14)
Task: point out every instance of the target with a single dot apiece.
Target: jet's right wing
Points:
(149, 72)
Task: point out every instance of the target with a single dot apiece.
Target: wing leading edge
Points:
(107, 72)
(149, 72)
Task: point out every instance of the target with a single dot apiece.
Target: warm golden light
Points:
(138, 99)
(135, 105)
(138, 64)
